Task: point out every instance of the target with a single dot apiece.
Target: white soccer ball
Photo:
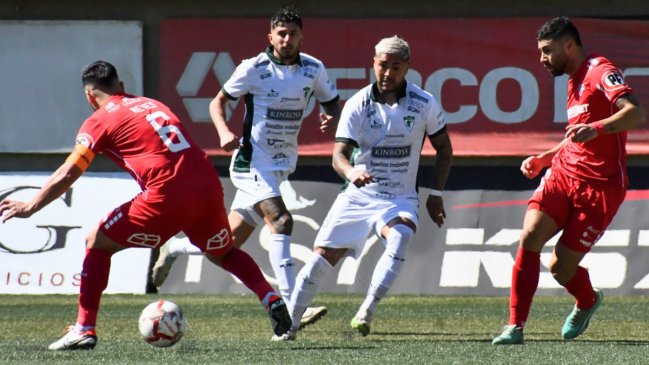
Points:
(162, 323)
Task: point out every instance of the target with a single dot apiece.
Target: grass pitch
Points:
(234, 329)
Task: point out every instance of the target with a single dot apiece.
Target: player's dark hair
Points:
(100, 73)
(285, 15)
(558, 28)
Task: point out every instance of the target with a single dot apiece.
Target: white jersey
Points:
(389, 138)
(276, 97)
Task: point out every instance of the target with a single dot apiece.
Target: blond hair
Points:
(394, 45)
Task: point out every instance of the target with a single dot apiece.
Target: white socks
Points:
(307, 286)
(182, 246)
(387, 268)
(281, 261)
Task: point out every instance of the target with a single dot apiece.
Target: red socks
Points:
(241, 265)
(525, 280)
(94, 279)
(581, 288)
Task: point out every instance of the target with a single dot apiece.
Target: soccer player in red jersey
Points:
(181, 191)
(585, 184)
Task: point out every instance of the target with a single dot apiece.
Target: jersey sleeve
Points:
(93, 135)
(241, 81)
(350, 123)
(325, 90)
(435, 118)
(608, 79)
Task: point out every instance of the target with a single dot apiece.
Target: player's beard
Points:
(557, 68)
(288, 55)
(387, 85)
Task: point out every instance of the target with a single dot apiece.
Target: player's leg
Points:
(242, 266)
(280, 222)
(176, 246)
(181, 245)
(211, 233)
(308, 282)
(242, 220)
(538, 228)
(241, 227)
(564, 266)
(145, 221)
(345, 228)
(397, 234)
(94, 279)
(593, 212)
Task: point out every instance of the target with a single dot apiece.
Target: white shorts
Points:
(252, 188)
(351, 220)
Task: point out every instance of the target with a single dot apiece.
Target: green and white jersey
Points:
(276, 97)
(389, 138)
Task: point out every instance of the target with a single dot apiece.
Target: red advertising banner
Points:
(498, 99)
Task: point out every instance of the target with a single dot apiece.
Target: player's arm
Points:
(443, 161)
(341, 162)
(532, 166)
(630, 115)
(58, 183)
(227, 140)
(329, 119)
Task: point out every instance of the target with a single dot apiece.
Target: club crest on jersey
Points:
(85, 140)
(409, 121)
(307, 91)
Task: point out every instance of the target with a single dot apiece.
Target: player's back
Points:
(145, 137)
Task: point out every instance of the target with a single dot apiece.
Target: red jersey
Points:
(144, 137)
(592, 93)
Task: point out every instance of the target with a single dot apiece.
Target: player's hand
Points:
(580, 132)
(532, 166)
(11, 208)
(435, 207)
(326, 123)
(229, 141)
(359, 177)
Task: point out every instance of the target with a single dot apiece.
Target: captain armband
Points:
(81, 156)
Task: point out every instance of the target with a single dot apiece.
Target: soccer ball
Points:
(162, 323)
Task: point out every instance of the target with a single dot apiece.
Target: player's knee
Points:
(397, 241)
(282, 223)
(331, 255)
(531, 240)
(561, 273)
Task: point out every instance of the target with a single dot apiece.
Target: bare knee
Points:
(276, 215)
(332, 255)
(562, 272)
(282, 222)
(532, 240)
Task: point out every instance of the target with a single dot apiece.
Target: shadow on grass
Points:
(577, 342)
(488, 337)
(318, 348)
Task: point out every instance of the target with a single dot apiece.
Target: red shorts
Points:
(580, 209)
(150, 219)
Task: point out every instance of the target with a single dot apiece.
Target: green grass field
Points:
(233, 329)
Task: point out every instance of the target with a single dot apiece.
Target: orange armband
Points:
(81, 156)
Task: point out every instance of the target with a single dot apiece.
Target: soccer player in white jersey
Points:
(378, 146)
(277, 85)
